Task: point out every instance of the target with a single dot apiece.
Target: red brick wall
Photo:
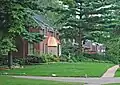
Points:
(22, 45)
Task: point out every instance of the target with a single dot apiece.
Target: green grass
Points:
(15, 81)
(63, 69)
(117, 74)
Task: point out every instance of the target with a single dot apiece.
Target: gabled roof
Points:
(41, 21)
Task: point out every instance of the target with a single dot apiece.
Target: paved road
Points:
(87, 81)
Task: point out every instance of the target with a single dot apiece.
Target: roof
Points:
(40, 20)
(52, 41)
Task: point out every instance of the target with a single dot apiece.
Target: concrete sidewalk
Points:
(110, 72)
(87, 81)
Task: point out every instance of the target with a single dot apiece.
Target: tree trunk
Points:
(10, 61)
(80, 41)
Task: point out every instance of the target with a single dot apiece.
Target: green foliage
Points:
(32, 37)
(113, 48)
(98, 20)
(88, 58)
(46, 58)
(36, 59)
(7, 45)
(28, 60)
(68, 47)
(81, 18)
(15, 17)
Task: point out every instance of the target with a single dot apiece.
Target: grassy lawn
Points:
(63, 69)
(117, 73)
(14, 81)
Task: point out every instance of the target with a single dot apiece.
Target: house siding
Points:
(41, 47)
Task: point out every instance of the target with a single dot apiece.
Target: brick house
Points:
(50, 45)
(93, 47)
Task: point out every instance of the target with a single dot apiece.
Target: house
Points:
(50, 45)
(90, 47)
(93, 47)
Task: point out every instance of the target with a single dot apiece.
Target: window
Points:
(30, 49)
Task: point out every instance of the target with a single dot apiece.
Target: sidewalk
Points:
(87, 81)
(110, 72)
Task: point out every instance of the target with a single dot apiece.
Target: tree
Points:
(80, 17)
(15, 18)
(113, 23)
(110, 29)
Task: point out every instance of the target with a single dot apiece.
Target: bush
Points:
(33, 59)
(3, 60)
(95, 56)
(27, 60)
(113, 59)
(49, 58)
(88, 58)
(63, 58)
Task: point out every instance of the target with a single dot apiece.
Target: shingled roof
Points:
(42, 22)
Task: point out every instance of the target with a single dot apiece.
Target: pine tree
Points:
(82, 17)
(112, 24)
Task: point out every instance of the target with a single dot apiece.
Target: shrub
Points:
(49, 58)
(88, 58)
(3, 60)
(33, 59)
(64, 58)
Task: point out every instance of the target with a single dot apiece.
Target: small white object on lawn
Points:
(22, 67)
(53, 75)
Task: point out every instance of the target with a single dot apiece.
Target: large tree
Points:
(113, 25)
(15, 18)
(80, 17)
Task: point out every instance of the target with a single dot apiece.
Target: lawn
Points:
(4, 80)
(117, 73)
(62, 69)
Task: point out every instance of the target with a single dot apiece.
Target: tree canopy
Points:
(82, 19)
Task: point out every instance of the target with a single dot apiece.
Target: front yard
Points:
(117, 73)
(62, 69)
(4, 80)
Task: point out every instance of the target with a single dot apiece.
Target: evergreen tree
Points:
(112, 24)
(82, 17)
